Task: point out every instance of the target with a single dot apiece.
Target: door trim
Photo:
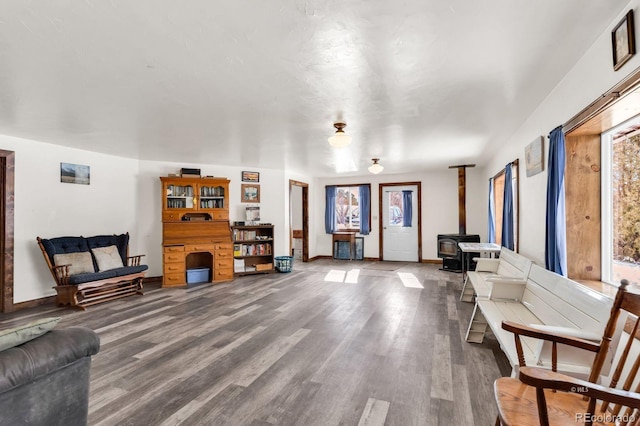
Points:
(380, 239)
(7, 194)
(305, 219)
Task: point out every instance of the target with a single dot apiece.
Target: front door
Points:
(400, 217)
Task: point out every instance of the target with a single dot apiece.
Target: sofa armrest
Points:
(506, 288)
(484, 264)
(134, 260)
(62, 273)
(45, 354)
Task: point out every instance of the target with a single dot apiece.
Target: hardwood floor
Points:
(331, 343)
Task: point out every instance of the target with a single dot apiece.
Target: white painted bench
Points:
(548, 302)
(510, 270)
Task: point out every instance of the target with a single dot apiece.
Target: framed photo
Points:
(75, 173)
(250, 193)
(623, 41)
(250, 177)
(534, 156)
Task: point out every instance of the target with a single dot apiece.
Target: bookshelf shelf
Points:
(252, 249)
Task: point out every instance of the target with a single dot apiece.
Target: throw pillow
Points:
(80, 262)
(107, 258)
(16, 336)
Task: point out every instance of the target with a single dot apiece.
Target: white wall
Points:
(273, 204)
(592, 76)
(47, 208)
(439, 208)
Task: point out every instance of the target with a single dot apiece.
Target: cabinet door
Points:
(179, 196)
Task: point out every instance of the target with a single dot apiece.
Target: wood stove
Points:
(451, 254)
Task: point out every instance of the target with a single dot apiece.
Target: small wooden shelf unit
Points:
(253, 249)
(195, 229)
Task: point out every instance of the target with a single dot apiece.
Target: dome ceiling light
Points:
(375, 168)
(340, 139)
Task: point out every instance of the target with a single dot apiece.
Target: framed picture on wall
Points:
(623, 41)
(534, 156)
(75, 173)
(250, 177)
(250, 193)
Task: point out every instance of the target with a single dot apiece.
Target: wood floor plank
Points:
(300, 348)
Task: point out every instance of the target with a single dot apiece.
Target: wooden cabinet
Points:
(195, 199)
(195, 229)
(253, 249)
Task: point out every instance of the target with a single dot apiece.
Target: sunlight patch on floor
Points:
(409, 280)
(352, 276)
(335, 276)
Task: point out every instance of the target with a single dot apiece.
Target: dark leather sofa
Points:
(45, 381)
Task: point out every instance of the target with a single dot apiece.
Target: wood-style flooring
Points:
(331, 343)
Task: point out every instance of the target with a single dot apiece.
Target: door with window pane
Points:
(400, 235)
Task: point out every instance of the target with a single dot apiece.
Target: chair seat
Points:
(517, 406)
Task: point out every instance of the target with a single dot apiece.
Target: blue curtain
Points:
(507, 211)
(330, 209)
(407, 205)
(491, 226)
(365, 209)
(555, 254)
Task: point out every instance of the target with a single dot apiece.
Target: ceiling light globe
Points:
(340, 139)
(375, 168)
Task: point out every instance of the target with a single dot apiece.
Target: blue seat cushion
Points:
(85, 278)
(129, 270)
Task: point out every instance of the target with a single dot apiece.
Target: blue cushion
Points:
(85, 278)
(64, 245)
(129, 270)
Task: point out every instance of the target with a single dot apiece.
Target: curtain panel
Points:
(507, 212)
(407, 205)
(555, 235)
(365, 209)
(491, 227)
(330, 209)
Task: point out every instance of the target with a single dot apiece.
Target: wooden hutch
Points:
(195, 229)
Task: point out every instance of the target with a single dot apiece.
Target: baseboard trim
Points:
(434, 261)
(33, 303)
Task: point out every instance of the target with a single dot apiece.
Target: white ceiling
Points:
(421, 84)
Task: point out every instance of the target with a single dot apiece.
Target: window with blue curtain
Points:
(348, 208)
(555, 235)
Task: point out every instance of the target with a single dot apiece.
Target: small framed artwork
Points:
(75, 173)
(623, 41)
(534, 156)
(250, 193)
(250, 177)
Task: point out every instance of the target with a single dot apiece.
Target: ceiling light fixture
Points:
(375, 168)
(340, 139)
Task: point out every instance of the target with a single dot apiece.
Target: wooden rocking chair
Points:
(544, 397)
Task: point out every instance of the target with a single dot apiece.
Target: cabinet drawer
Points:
(220, 215)
(173, 257)
(198, 247)
(171, 249)
(224, 263)
(174, 267)
(223, 274)
(166, 216)
(173, 279)
(224, 246)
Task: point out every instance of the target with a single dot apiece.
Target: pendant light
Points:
(340, 139)
(375, 168)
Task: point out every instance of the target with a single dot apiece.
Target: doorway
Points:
(299, 220)
(7, 164)
(400, 218)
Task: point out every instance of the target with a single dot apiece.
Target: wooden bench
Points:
(90, 270)
(510, 270)
(548, 302)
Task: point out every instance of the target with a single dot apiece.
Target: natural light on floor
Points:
(336, 276)
(409, 280)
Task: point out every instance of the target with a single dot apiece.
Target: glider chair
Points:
(544, 397)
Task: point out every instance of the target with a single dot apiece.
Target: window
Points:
(620, 206)
(396, 210)
(347, 208)
(498, 203)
